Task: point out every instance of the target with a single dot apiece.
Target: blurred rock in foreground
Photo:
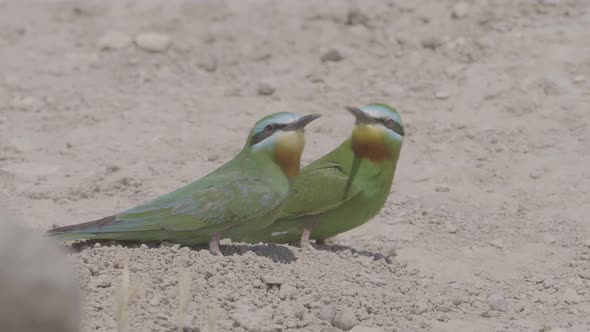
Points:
(37, 289)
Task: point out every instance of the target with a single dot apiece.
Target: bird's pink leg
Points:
(214, 244)
(304, 243)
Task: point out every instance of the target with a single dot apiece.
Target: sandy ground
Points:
(486, 228)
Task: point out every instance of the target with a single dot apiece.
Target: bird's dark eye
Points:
(389, 123)
(269, 129)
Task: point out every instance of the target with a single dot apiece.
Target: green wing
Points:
(190, 209)
(319, 188)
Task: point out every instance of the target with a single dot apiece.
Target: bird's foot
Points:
(305, 245)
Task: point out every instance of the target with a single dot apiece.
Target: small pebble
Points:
(272, 280)
(579, 79)
(536, 174)
(315, 78)
(93, 269)
(332, 55)
(442, 189)
(432, 42)
(552, 88)
(113, 41)
(287, 292)
(346, 319)
(26, 103)
(155, 301)
(265, 89)
(548, 283)
(498, 243)
(570, 296)
(103, 284)
(548, 238)
(356, 17)
(460, 10)
(420, 307)
(442, 95)
(328, 313)
(153, 41)
(209, 273)
(167, 244)
(452, 229)
(497, 302)
(484, 42)
(208, 64)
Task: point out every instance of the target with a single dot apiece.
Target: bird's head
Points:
(378, 132)
(280, 136)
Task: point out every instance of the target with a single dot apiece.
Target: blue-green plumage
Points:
(245, 193)
(345, 188)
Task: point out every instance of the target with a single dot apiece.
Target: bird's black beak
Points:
(361, 117)
(301, 122)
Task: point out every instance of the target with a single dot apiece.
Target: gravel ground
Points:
(107, 104)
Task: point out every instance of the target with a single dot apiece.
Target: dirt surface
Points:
(107, 104)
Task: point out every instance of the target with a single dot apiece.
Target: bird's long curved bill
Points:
(301, 122)
(361, 117)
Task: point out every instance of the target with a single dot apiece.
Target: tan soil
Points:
(487, 225)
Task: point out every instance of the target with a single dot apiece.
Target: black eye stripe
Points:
(262, 135)
(396, 126)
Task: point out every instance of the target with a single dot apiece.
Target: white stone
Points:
(570, 296)
(498, 243)
(460, 10)
(442, 95)
(497, 302)
(153, 41)
(287, 292)
(328, 313)
(332, 55)
(346, 319)
(272, 280)
(579, 79)
(420, 307)
(155, 301)
(265, 89)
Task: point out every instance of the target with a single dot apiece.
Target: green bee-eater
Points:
(244, 194)
(345, 188)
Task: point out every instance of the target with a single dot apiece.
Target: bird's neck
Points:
(368, 142)
(287, 153)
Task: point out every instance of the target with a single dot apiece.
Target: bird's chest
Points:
(376, 179)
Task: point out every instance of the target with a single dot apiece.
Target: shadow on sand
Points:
(339, 248)
(276, 253)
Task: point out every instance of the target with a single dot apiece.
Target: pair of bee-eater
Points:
(262, 196)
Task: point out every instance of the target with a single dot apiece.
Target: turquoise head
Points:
(280, 137)
(378, 132)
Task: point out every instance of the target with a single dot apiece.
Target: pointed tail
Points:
(80, 231)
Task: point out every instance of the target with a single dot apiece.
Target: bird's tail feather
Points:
(80, 231)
